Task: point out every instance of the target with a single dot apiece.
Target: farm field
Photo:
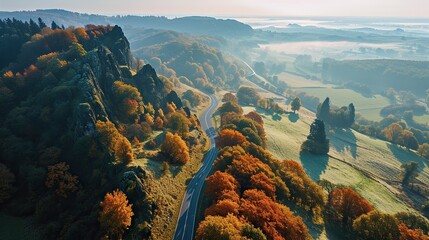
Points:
(369, 165)
(369, 107)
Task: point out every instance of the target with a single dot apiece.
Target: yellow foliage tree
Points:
(124, 151)
(116, 213)
(175, 148)
(108, 133)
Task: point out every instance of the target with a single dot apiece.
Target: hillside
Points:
(380, 74)
(195, 61)
(192, 25)
(369, 165)
(77, 121)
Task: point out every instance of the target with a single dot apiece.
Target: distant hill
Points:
(380, 74)
(192, 25)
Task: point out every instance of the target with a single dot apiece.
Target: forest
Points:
(73, 107)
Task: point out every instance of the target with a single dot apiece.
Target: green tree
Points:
(409, 172)
(316, 142)
(247, 96)
(377, 226)
(230, 107)
(323, 110)
(178, 123)
(194, 98)
(352, 114)
(296, 104)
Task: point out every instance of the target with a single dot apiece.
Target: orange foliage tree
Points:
(347, 205)
(411, 234)
(245, 166)
(175, 148)
(223, 208)
(61, 180)
(260, 181)
(229, 137)
(116, 213)
(255, 117)
(221, 182)
(302, 189)
(276, 221)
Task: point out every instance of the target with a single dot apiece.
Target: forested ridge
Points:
(74, 102)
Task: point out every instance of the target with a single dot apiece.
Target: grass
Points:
(423, 119)
(369, 107)
(370, 166)
(167, 188)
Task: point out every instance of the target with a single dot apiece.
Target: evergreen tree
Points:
(323, 110)
(34, 28)
(54, 25)
(351, 114)
(316, 142)
(41, 23)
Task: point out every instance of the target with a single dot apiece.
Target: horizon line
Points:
(217, 15)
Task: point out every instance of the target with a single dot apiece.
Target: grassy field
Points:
(369, 107)
(369, 165)
(424, 119)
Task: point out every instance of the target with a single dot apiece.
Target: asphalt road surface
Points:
(186, 222)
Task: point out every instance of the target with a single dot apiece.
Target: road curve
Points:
(186, 222)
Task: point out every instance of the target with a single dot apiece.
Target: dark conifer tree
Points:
(42, 24)
(351, 114)
(316, 142)
(323, 110)
(54, 25)
(34, 28)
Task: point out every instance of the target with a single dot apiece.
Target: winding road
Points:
(188, 211)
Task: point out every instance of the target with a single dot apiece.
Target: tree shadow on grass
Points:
(293, 117)
(343, 140)
(175, 169)
(405, 155)
(277, 117)
(314, 165)
(274, 116)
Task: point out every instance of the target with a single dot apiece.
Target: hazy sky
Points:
(373, 8)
